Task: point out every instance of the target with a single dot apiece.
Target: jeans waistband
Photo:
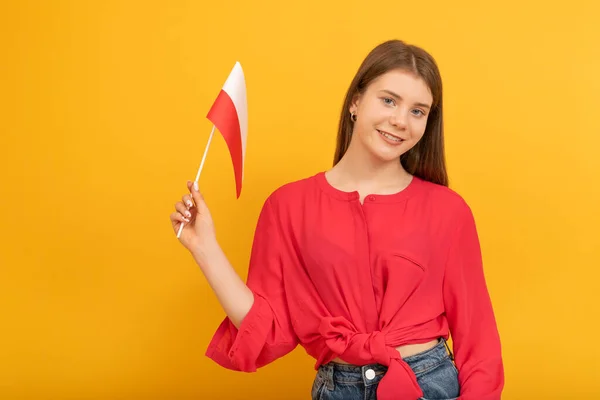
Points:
(372, 373)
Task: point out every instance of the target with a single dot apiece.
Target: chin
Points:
(386, 156)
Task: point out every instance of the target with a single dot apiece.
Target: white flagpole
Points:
(199, 170)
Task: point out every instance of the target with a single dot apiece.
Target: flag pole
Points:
(199, 171)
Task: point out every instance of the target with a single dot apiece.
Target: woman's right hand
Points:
(198, 232)
(198, 236)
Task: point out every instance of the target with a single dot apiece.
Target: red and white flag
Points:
(229, 114)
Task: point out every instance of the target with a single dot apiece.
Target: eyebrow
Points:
(400, 97)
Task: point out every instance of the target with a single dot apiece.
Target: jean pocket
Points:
(440, 382)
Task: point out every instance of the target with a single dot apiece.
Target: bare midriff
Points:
(406, 350)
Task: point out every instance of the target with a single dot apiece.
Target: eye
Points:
(418, 112)
(390, 102)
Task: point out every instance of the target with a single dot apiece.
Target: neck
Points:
(360, 168)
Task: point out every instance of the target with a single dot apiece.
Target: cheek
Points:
(376, 112)
(418, 128)
(368, 136)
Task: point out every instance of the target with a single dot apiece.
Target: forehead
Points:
(406, 84)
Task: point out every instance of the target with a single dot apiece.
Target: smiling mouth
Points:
(390, 136)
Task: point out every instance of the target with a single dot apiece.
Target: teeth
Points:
(394, 138)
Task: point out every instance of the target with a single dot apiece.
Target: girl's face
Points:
(391, 114)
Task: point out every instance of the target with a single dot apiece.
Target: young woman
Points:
(371, 265)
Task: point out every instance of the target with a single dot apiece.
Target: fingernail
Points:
(187, 214)
(189, 203)
(196, 186)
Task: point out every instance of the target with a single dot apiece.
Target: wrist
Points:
(205, 251)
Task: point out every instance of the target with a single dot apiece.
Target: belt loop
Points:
(329, 383)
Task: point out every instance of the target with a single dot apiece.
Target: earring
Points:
(353, 117)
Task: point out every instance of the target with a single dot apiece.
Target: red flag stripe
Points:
(224, 115)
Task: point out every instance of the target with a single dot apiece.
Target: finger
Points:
(190, 185)
(182, 209)
(177, 218)
(187, 200)
(196, 195)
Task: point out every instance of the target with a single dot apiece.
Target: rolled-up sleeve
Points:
(266, 333)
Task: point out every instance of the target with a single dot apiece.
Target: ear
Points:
(355, 103)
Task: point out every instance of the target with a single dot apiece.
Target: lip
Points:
(401, 138)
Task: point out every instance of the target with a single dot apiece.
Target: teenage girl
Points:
(371, 265)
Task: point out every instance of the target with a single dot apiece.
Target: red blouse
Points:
(351, 280)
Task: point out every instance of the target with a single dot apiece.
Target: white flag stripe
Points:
(235, 87)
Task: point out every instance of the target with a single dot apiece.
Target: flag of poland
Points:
(229, 114)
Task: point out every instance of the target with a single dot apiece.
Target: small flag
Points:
(229, 113)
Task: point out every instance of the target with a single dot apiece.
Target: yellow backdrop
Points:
(103, 108)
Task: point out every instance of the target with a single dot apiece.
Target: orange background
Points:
(103, 108)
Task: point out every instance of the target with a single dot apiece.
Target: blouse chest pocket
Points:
(408, 260)
(400, 274)
(403, 264)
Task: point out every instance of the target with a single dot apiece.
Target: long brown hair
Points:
(426, 159)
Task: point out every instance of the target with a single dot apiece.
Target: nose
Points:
(399, 119)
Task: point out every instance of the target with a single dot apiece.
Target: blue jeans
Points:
(434, 368)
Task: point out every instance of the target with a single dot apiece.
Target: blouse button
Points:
(371, 198)
(370, 374)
